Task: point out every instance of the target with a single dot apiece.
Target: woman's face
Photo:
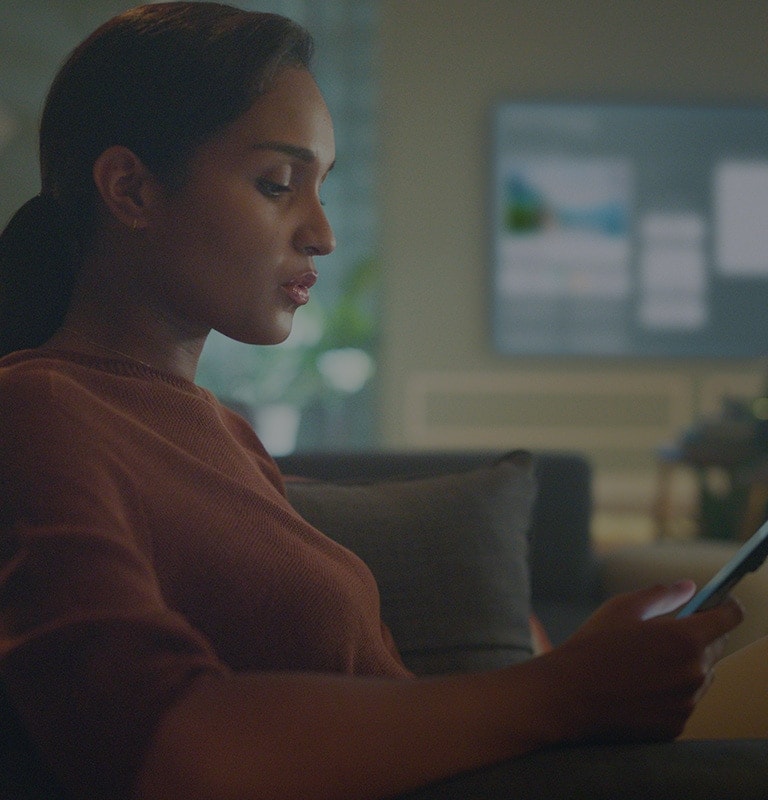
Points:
(233, 249)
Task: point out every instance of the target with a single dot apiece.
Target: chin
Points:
(278, 339)
(283, 328)
(282, 332)
(261, 340)
(276, 333)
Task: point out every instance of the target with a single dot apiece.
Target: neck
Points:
(67, 330)
(116, 307)
(141, 348)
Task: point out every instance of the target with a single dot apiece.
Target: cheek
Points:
(221, 238)
(237, 230)
(211, 244)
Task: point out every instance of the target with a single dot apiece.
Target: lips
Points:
(297, 289)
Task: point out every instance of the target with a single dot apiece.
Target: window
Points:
(315, 391)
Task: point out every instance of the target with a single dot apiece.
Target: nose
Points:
(315, 235)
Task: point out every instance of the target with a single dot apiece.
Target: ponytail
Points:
(38, 262)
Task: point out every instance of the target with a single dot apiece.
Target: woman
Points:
(170, 626)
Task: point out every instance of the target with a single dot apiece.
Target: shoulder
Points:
(57, 453)
(46, 415)
(243, 431)
(25, 385)
(34, 388)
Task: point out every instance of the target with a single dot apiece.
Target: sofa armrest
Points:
(564, 570)
(563, 566)
(695, 770)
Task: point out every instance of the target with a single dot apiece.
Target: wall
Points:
(443, 64)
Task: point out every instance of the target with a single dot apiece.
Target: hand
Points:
(634, 672)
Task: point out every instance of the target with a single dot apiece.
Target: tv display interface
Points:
(629, 230)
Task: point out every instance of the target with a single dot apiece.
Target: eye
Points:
(272, 188)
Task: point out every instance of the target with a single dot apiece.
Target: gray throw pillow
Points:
(450, 555)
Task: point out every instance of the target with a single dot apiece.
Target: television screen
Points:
(629, 230)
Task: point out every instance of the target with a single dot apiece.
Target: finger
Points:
(714, 652)
(669, 598)
(654, 601)
(717, 621)
(704, 688)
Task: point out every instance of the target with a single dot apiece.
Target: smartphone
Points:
(747, 559)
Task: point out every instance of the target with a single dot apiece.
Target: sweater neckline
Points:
(115, 364)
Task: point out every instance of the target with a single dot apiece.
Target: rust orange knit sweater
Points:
(145, 537)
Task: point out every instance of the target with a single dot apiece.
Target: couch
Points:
(560, 563)
(468, 547)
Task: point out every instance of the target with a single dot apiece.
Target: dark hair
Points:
(159, 79)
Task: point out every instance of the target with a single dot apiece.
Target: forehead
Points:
(293, 112)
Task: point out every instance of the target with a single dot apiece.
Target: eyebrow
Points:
(301, 153)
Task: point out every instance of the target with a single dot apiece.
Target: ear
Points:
(125, 185)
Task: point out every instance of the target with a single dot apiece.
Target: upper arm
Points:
(90, 654)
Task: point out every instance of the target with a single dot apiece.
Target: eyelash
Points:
(271, 189)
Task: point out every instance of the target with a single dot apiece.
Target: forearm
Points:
(318, 737)
(626, 675)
